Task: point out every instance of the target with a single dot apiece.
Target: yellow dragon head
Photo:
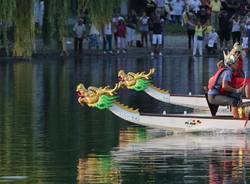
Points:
(122, 75)
(130, 79)
(91, 95)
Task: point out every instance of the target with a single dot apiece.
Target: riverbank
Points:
(173, 44)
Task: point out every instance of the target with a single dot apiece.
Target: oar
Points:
(245, 78)
(244, 84)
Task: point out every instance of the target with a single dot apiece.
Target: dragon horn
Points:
(151, 72)
(111, 91)
(80, 87)
(121, 72)
(225, 55)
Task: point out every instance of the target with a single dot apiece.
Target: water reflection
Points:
(97, 169)
(187, 159)
(100, 168)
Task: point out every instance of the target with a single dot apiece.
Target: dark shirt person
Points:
(224, 28)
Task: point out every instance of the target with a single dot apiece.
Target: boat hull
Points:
(186, 123)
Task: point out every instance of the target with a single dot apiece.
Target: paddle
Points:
(246, 104)
(213, 108)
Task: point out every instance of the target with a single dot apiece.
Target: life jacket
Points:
(239, 72)
(213, 80)
(240, 63)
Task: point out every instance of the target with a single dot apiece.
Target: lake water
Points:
(46, 137)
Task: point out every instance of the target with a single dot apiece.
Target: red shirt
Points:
(121, 30)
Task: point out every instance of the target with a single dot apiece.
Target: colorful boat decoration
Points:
(141, 82)
(103, 98)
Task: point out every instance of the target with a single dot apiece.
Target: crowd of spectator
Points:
(210, 25)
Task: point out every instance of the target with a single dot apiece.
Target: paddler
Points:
(239, 78)
(220, 88)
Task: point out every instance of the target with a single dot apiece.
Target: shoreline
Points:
(173, 45)
(131, 52)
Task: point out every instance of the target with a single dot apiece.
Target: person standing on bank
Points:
(79, 31)
(144, 29)
(157, 35)
(189, 22)
(107, 38)
(121, 36)
(198, 38)
(131, 27)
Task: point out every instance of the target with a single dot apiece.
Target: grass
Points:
(175, 29)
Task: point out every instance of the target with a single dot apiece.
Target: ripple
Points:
(12, 178)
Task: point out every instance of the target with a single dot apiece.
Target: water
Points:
(47, 137)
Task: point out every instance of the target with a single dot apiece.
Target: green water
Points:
(47, 137)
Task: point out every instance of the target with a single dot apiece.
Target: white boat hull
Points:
(181, 123)
(192, 101)
(197, 102)
(186, 123)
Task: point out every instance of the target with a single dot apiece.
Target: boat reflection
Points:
(213, 159)
(230, 169)
(97, 169)
(132, 135)
(100, 168)
(182, 158)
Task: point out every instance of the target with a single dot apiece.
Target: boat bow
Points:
(125, 112)
(157, 93)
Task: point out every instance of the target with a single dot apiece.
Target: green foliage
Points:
(24, 25)
(48, 20)
(100, 11)
(61, 15)
(6, 10)
(6, 17)
(20, 15)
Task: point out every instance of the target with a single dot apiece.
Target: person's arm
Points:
(204, 29)
(139, 21)
(74, 29)
(226, 86)
(220, 64)
(103, 31)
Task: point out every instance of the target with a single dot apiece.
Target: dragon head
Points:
(121, 75)
(80, 90)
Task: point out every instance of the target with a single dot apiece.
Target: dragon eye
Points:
(78, 93)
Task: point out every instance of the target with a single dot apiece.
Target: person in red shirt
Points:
(239, 79)
(121, 36)
(239, 76)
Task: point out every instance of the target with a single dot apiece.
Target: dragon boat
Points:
(141, 82)
(105, 98)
